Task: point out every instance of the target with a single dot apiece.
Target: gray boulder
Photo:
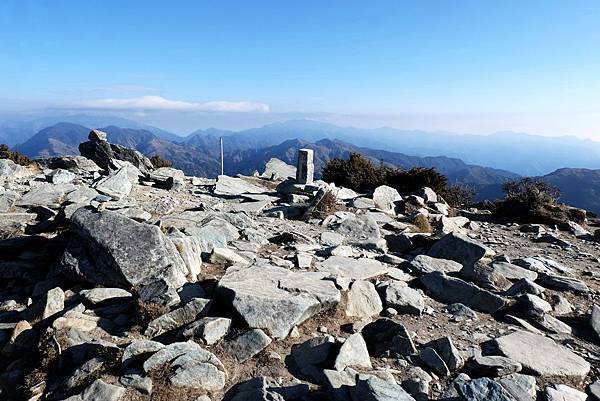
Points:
(353, 353)
(448, 352)
(563, 283)
(426, 264)
(363, 300)
(109, 249)
(276, 169)
(308, 359)
(101, 391)
(521, 387)
(107, 156)
(98, 295)
(208, 329)
(401, 297)
(459, 248)
(355, 269)
(387, 337)
(372, 388)
(118, 184)
(495, 366)
(453, 290)
(384, 198)
(483, 389)
(514, 272)
(236, 186)
(434, 361)
(359, 228)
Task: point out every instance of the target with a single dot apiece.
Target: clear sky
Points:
(466, 66)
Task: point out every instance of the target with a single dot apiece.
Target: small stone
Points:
(303, 260)
(495, 366)
(417, 383)
(97, 295)
(432, 359)
(226, 256)
(101, 391)
(248, 344)
(400, 296)
(196, 308)
(353, 353)
(460, 311)
(595, 320)
(449, 353)
(562, 392)
(208, 329)
(363, 300)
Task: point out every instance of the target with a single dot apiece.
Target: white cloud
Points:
(159, 103)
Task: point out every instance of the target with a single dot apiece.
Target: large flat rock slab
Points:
(356, 269)
(541, 355)
(275, 299)
(236, 186)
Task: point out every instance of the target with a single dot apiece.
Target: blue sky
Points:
(467, 66)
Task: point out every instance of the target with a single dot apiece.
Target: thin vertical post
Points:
(221, 141)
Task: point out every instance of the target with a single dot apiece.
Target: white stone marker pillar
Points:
(306, 169)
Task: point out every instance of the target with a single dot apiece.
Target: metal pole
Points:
(221, 140)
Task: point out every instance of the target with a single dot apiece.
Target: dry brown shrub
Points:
(327, 205)
(421, 224)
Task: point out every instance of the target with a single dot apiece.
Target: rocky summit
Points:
(122, 281)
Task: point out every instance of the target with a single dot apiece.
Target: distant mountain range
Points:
(524, 154)
(249, 150)
(199, 154)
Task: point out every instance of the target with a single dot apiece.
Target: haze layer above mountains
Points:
(481, 161)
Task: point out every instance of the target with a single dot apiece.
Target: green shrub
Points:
(360, 174)
(414, 179)
(6, 153)
(532, 200)
(357, 173)
(458, 195)
(159, 162)
(531, 191)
